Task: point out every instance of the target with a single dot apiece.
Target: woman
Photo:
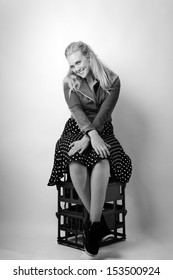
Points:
(88, 147)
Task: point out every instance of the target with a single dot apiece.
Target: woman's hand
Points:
(79, 146)
(98, 144)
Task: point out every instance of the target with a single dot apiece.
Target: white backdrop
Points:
(134, 38)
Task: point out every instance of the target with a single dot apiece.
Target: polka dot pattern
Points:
(121, 167)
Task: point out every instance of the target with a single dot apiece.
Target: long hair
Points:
(103, 74)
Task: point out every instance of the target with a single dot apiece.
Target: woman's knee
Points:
(102, 168)
(77, 168)
(104, 164)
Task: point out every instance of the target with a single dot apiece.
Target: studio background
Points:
(134, 38)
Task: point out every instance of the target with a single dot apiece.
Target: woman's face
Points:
(79, 64)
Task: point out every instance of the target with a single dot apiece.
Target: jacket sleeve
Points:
(107, 106)
(76, 110)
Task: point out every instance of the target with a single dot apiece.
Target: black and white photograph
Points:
(86, 153)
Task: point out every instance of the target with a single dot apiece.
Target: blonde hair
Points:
(103, 74)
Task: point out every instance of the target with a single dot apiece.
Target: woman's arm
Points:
(76, 110)
(98, 144)
(107, 106)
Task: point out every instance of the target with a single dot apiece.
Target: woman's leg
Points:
(99, 181)
(81, 181)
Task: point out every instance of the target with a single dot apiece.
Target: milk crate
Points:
(72, 214)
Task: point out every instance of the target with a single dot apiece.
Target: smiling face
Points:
(79, 64)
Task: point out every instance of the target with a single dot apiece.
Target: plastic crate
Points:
(71, 214)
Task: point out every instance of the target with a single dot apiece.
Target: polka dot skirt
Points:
(121, 167)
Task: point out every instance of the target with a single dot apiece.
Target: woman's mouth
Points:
(81, 71)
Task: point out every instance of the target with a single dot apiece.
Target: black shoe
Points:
(105, 233)
(91, 233)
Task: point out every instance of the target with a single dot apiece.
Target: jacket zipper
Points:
(86, 96)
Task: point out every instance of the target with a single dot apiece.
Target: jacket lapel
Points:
(86, 91)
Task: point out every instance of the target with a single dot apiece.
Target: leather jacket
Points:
(92, 110)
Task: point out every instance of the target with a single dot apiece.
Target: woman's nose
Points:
(77, 68)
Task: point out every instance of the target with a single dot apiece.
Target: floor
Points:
(20, 242)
